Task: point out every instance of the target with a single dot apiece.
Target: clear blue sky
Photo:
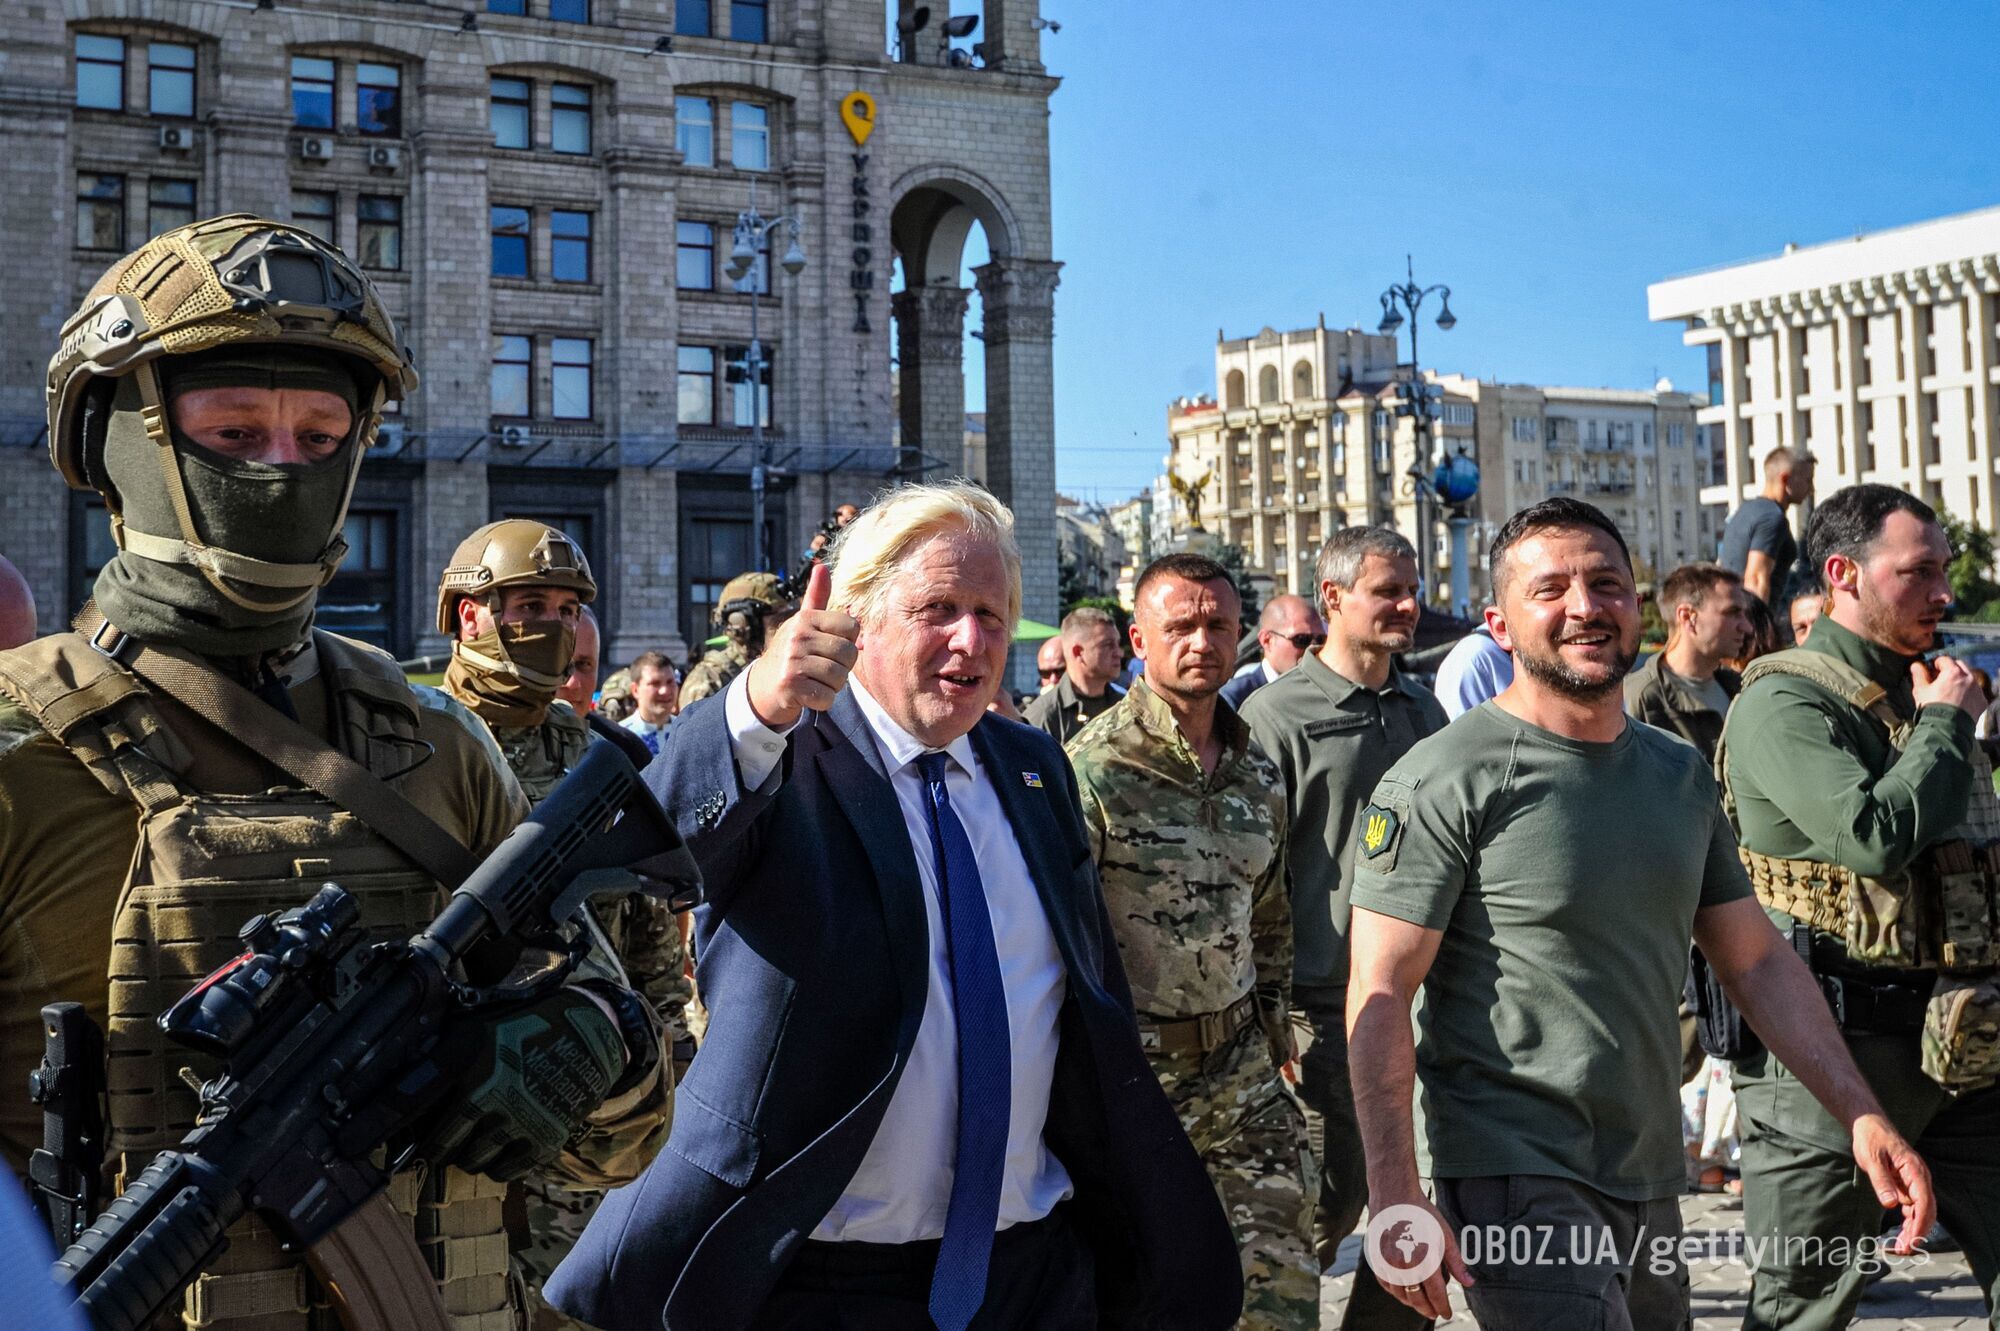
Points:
(1244, 162)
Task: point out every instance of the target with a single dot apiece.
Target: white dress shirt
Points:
(903, 1187)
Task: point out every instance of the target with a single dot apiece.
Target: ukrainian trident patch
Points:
(1380, 830)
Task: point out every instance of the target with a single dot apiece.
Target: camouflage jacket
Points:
(714, 672)
(644, 941)
(1192, 865)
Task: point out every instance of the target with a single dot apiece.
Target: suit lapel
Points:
(853, 771)
(1008, 767)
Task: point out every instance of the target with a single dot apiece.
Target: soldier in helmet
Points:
(512, 598)
(614, 700)
(752, 605)
(219, 388)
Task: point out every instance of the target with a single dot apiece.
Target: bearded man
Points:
(1539, 867)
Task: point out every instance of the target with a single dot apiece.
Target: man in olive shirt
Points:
(1538, 868)
(1091, 660)
(1334, 725)
(1817, 777)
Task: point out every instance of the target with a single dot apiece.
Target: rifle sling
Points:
(249, 721)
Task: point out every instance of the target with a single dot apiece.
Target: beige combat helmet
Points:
(231, 280)
(740, 593)
(513, 552)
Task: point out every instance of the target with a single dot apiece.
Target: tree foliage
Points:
(1237, 560)
(1971, 570)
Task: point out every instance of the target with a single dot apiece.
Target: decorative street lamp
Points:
(1420, 403)
(753, 235)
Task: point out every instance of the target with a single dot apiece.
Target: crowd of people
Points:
(1109, 1017)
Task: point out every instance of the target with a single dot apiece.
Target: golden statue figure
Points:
(1190, 495)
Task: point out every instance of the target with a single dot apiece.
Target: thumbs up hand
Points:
(805, 663)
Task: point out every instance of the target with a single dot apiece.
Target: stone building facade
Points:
(1302, 437)
(1305, 436)
(1638, 455)
(1879, 355)
(545, 191)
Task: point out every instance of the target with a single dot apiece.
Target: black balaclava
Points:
(280, 514)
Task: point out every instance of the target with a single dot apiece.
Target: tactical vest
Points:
(205, 863)
(1941, 913)
(542, 755)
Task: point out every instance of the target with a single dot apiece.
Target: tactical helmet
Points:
(513, 552)
(228, 281)
(763, 591)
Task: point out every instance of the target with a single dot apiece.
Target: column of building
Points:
(450, 317)
(930, 342)
(641, 591)
(1017, 298)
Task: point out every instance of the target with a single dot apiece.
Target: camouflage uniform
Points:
(714, 672)
(1193, 872)
(645, 937)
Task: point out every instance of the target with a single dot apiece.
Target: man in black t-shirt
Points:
(1757, 544)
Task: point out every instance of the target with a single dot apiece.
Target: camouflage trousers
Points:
(553, 1221)
(1253, 1139)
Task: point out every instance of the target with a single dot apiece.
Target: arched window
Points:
(1267, 384)
(1232, 389)
(1302, 381)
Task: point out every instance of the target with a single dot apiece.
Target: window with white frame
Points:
(694, 130)
(513, 369)
(749, 136)
(569, 378)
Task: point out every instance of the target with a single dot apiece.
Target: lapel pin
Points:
(1033, 780)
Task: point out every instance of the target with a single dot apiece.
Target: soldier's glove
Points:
(531, 1076)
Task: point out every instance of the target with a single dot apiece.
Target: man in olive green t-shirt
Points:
(1538, 867)
(1334, 725)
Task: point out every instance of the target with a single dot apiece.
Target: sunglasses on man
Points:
(1049, 672)
(1301, 641)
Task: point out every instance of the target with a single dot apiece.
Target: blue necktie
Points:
(979, 1009)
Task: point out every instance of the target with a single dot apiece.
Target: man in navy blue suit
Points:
(922, 1100)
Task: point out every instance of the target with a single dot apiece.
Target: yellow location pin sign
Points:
(857, 112)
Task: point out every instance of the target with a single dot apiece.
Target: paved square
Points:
(1934, 1296)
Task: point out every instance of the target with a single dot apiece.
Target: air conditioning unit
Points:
(514, 436)
(316, 148)
(177, 138)
(390, 438)
(384, 157)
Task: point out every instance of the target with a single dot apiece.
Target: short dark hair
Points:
(1690, 583)
(657, 660)
(1560, 513)
(1186, 565)
(1808, 584)
(1849, 521)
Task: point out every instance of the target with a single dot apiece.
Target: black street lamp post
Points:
(1420, 403)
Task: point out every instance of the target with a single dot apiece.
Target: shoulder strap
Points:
(246, 719)
(1835, 676)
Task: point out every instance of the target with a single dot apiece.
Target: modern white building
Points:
(1877, 354)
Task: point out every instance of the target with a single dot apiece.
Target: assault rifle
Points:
(328, 1038)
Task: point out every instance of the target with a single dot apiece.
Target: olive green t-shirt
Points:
(1564, 876)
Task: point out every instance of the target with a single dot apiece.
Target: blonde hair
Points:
(869, 551)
